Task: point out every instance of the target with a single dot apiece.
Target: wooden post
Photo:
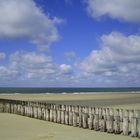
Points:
(100, 113)
(58, 116)
(121, 114)
(93, 110)
(47, 114)
(110, 124)
(103, 125)
(67, 107)
(90, 110)
(74, 119)
(66, 117)
(54, 116)
(96, 122)
(80, 119)
(35, 112)
(62, 116)
(63, 107)
(131, 115)
(70, 108)
(86, 109)
(39, 112)
(73, 108)
(70, 118)
(133, 127)
(85, 120)
(138, 120)
(116, 122)
(90, 121)
(51, 115)
(125, 123)
(43, 113)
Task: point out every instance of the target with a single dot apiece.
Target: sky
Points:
(69, 43)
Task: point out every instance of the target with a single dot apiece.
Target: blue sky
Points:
(70, 43)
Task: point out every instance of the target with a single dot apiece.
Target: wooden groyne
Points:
(116, 121)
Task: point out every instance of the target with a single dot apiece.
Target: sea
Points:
(65, 90)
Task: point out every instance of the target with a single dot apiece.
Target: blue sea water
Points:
(9, 90)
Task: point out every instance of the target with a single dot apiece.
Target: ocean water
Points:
(11, 90)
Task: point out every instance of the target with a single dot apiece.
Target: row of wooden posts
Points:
(117, 121)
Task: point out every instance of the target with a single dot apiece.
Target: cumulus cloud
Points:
(124, 10)
(35, 67)
(117, 60)
(65, 69)
(23, 19)
(2, 55)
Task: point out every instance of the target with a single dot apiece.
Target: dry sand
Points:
(15, 127)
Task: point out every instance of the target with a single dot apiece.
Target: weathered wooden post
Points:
(133, 123)
(67, 107)
(73, 108)
(1, 105)
(103, 121)
(93, 110)
(74, 119)
(110, 124)
(85, 120)
(96, 122)
(35, 112)
(47, 114)
(138, 120)
(126, 123)
(131, 115)
(62, 116)
(66, 117)
(22, 108)
(116, 122)
(70, 108)
(58, 116)
(63, 107)
(90, 110)
(70, 118)
(51, 115)
(86, 109)
(43, 114)
(90, 121)
(121, 114)
(39, 112)
(110, 121)
(80, 119)
(54, 116)
(133, 127)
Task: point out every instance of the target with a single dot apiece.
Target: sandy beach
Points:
(15, 127)
(124, 100)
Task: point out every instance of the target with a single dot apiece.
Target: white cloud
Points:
(118, 59)
(125, 10)
(34, 67)
(23, 19)
(2, 55)
(65, 69)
